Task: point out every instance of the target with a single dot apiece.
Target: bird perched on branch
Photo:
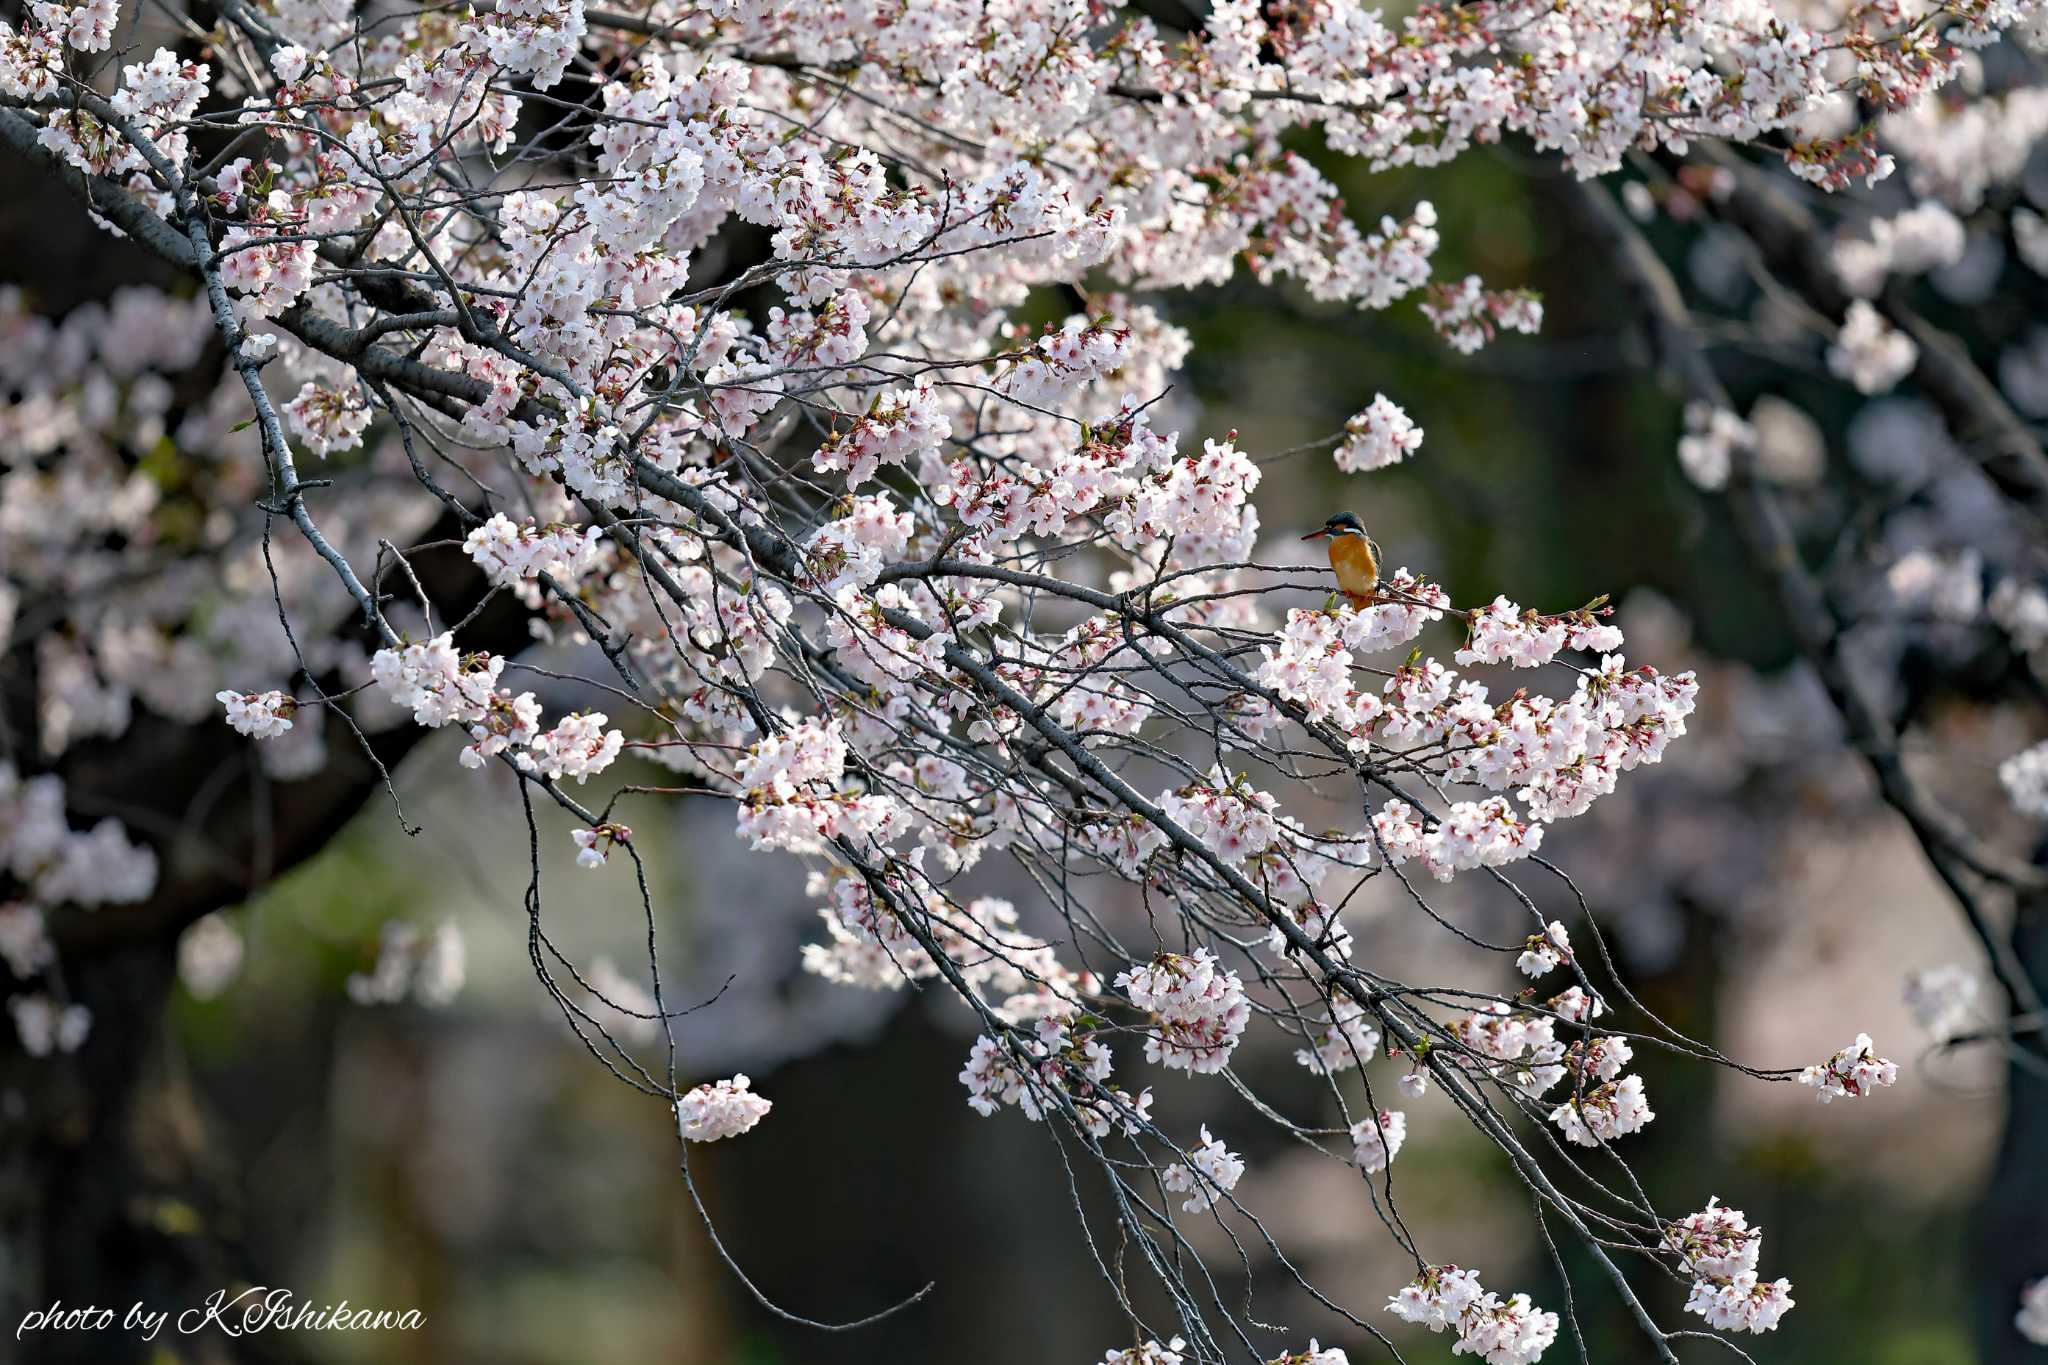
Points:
(1354, 557)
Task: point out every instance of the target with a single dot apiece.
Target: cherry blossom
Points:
(1604, 1113)
(1546, 951)
(1379, 436)
(440, 685)
(24, 943)
(1869, 352)
(2032, 1318)
(1719, 1249)
(594, 846)
(2025, 778)
(1316, 1354)
(1511, 1332)
(1348, 1039)
(1944, 1001)
(1742, 1304)
(1467, 314)
(578, 746)
(427, 967)
(260, 715)
(1148, 1353)
(328, 420)
(1376, 1139)
(1714, 438)
(511, 554)
(1198, 1010)
(1950, 586)
(1210, 1171)
(720, 1109)
(44, 1026)
(209, 956)
(1925, 237)
(1053, 1069)
(1852, 1073)
(1472, 834)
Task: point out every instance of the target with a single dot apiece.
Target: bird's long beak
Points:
(1317, 535)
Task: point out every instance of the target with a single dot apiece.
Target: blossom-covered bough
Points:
(691, 341)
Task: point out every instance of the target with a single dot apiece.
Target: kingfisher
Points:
(1353, 555)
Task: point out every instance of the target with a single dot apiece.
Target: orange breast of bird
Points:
(1358, 572)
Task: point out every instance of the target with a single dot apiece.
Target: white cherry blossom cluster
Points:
(895, 427)
(1719, 1249)
(50, 865)
(1471, 834)
(1379, 436)
(720, 1109)
(1949, 587)
(2021, 611)
(1468, 315)
(508, 724)
(1869, 352)
(594, 846)
(1608, 1111)
(1562, 756)
(54, 864)
(793, 798)
(440, 685)
(2025, 778)
(1316, 1354)
(24, 940)
(2032, 1317)
(1210, 1171)
(443, 686)
(1545, 952)
(513, 554)
(1228, 815)
(1080, 352)
(1504, 633)
(1519, 1048)
(1053, 1070)
(1346, 1039)
(1198, 1009)
(1376, 1139)
(578, 746)
(1148, 1353)
(259, 715)
(852, 549)
(1926, 237)
(1500, 1332)
(1313, 659)
(45, 1026)
(1853, 1073)
(877, 933)
(1714, 438)
(328, 420)
(210, 955)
